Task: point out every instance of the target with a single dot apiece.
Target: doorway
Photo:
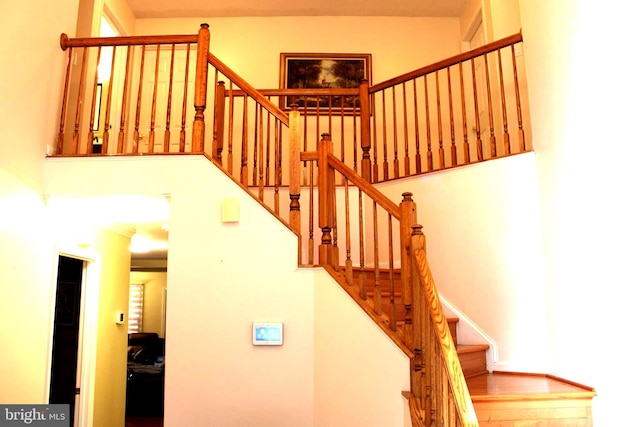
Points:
(66, 334)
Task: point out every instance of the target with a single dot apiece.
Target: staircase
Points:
(280, 152)
(500, 399)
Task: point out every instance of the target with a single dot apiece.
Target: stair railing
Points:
(449, 113)
(439, 393)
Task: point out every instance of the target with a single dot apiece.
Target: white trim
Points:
(470, 333)
(87, 332)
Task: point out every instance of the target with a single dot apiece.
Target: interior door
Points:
(64, 360)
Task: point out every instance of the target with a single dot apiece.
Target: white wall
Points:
(224, 276)
(584, 89)
(354, 357)
(481, 223)
(29, 84)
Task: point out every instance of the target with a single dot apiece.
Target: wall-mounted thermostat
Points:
(120, 317)
(267, 333)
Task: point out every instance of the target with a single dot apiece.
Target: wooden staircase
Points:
(500, 399)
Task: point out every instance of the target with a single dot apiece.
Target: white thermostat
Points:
(267, 333)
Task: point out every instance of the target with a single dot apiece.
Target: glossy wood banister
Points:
(66, 42)
(367, 188)
(247, 88)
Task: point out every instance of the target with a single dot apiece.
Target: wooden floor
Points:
(143, 422)
(514, 400)
(514, 384)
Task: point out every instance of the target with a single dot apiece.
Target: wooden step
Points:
(473, 359)
(503, 399)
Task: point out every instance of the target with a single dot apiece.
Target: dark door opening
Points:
(64, 360)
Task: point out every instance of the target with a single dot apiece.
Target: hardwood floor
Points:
(143, 422)
(510, 400)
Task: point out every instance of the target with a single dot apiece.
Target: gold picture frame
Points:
(322, 71)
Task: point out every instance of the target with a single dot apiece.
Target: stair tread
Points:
(470, 348)
(496, 385)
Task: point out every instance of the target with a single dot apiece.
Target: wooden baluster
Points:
(363, 276)
(183, 124)
(354, 116)
(305, 135)
(454, 149)
(218, 122)
(428, 123)
(294, 176)
(377, 296)
(260, 142)
(125, 98)
(385, 163)
(65, 95)
(200, 92)
(407, 220)
(267, 159)
(465, 136)
(396, 161)
(417, 127)
(311, 242)
(492, 136)
(439, 111)
(230, 137)
(244, 156)
(334, 219)
(76, 130)
(365, 130)
(278, 167)
(375, 140)
(152, 120)
(479, 148)
(90, 136)
(393, 322)
(342, 140)
(167, 128)
(136, 129)
(107, 113)
(407, 166)
(348, 264)
(254, 173)
(521, 140)
(505, 126)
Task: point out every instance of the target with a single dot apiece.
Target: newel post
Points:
(294, 174)
(365, 131)
(325, 198)
(419, 322)
(408, 218)
(200, 89)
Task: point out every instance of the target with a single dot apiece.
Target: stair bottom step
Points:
(507, 399)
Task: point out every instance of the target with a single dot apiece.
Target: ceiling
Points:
(229, 8)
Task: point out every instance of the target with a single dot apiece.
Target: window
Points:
(136, 303)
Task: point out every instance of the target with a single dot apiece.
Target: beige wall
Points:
(30, 84)
(584, 86)
(111, 349)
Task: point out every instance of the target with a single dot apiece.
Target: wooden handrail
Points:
(66, 42)
(248, 89)
(440, 65)
(382, 200)
(450, 361)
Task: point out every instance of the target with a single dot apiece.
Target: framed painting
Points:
(323, 71)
